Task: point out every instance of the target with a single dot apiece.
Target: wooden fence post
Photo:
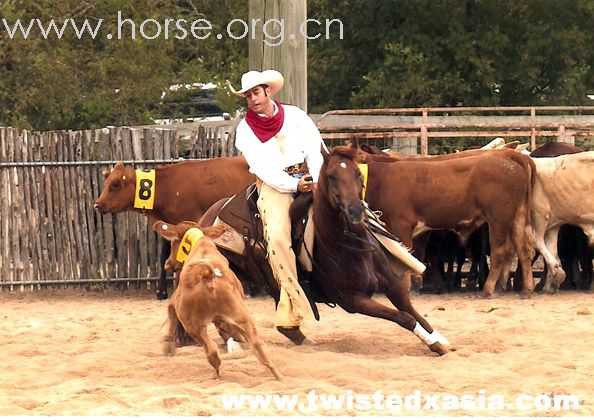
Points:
(280, 46)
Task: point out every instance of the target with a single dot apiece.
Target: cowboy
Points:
(275, 140)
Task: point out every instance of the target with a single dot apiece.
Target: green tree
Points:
(398, 53)
(71, 83)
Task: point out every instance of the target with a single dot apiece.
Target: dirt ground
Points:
(71, 352)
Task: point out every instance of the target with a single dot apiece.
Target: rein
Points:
(367, 246)
(371, 246)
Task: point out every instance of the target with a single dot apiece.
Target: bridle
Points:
(367, 245)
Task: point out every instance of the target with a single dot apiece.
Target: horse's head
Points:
(340, 180)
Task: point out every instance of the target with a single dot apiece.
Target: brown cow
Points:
(208, 291)
(182, 191)
(460, 194)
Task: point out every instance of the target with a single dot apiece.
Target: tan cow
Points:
(563, 194)
(208, 291)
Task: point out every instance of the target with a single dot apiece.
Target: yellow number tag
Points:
(364, 172)
(190, 238)
(145, 190)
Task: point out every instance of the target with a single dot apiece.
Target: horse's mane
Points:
(348, 152)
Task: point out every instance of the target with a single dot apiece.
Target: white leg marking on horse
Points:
(429, 339)
(233, 346)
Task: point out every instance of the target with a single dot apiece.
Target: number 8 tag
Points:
(145, 189)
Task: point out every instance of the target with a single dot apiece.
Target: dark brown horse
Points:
(350, 263)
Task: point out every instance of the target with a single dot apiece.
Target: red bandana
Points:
(266, 127)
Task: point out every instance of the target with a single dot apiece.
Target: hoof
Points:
(182, 339)
(525, 295)
(169, 348)
(438, 348)
(292, 333)
(161, 295)
(488, 295)
(549, 289)
(277, 374)
(308, 342)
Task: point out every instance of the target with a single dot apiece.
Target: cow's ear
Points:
(213, 231)
(361, 158)
(522, 147)
(354, 142)
(119, 166)
(166, 230)
(367, 148)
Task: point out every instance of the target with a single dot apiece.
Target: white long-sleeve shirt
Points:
(298, 140)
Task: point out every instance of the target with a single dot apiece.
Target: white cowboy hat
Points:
(272, 78)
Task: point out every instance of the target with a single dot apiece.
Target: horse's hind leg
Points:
(363, 304)
(400, 298)
(162, 283)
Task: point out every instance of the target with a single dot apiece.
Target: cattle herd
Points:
(489, 207)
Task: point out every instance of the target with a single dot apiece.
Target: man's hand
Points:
(305, 184)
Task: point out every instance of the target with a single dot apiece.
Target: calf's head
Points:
(183, 236)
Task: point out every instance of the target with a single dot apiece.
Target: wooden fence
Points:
(532, 124)
(49, 231)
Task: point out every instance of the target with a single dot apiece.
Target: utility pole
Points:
(278, 44)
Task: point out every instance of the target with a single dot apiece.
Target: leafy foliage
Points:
(452, 53)
(394, 53)
(73, 82)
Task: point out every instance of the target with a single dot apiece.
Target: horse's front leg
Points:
(363, 304)
(398, 294)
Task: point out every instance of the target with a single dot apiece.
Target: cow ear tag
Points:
(190, 238)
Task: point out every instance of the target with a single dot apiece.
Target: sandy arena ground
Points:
(72, 352)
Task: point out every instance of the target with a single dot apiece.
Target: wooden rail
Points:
(426, 123)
